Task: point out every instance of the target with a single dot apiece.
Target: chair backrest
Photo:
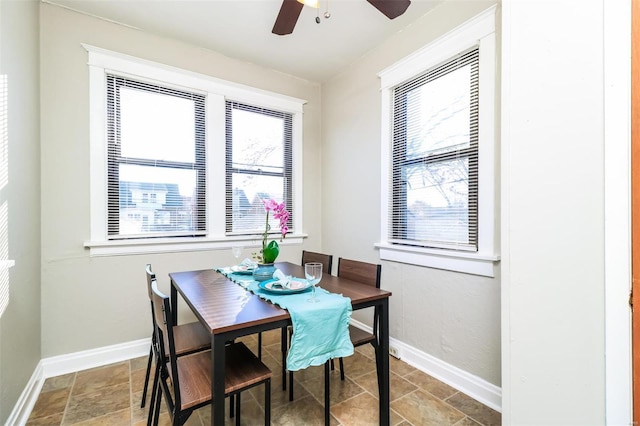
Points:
(365, 273)
(325, 259)
(164, 336)
(150, 277)
(362, 272)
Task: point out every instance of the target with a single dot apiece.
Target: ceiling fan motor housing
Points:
(290, 12)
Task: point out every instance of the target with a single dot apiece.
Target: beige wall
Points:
(451, 316)
(93, 302)
(20, 323)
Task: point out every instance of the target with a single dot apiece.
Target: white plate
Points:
(295, 286)
(241, 269)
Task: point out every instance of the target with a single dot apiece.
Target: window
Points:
(179, 160)
(156, 151)
(438, 203)
(258, 165)
(434, 193)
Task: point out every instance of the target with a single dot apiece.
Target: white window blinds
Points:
(258, 165)
(434, 170)
(156, 160)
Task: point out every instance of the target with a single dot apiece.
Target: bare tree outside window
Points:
(259, 164)
(435, 156)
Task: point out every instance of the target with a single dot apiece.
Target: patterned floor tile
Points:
(111, 395)
(430, 384)
(91, 405)
(475, 410)
(422, 408)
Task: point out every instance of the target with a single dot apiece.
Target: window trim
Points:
(404, 160)
(115, 86)
(101, 61)
(478, 31)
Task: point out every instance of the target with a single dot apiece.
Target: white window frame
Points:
(101, 62)
(478, 31)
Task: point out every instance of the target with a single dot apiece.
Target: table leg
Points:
(283, 351)
(327, 397)
(382, 361)
(217, 380)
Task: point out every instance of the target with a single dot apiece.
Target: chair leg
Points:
(155, 395)
(267, 402)
(260, 346)
(238, 410)
(327, 398)
(154, 408)
(156, 416)
(379, 356)
(341, 370)
(146, 377)
(231, 405)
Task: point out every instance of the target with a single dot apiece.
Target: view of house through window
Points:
(156, 160)
(186, 155)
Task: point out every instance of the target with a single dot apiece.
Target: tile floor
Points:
(111, 395)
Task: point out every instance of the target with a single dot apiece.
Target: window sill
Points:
(6, 264)
(175, 245)
(470, 263)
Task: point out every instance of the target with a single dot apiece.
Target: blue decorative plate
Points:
(296, 285)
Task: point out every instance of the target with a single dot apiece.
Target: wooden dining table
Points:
(229, 311)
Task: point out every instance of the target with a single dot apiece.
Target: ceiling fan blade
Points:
(287, 17)
(391, 8)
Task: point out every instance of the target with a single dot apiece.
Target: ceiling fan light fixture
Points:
(313, 3)
(291, 9)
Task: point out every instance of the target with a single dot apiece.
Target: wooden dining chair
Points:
(185, 382)
(327, 263)
(325, 259)
(189, 338)
(369, 274)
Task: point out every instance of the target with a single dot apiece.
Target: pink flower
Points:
(270, 251)
(270, 204)
(279, 212)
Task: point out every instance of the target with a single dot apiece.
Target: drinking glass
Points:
(313, 273)
(236, 251)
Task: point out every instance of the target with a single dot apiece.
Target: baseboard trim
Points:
(474, 386)
(69, 363)
(27, 399)
(77, 361)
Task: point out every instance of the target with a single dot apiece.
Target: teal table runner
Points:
(320, 330)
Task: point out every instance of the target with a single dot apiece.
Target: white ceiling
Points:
(241, 29)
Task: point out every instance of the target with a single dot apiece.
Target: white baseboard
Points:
(77, 361)
(467, 383)
(69, 363)
(27, 399)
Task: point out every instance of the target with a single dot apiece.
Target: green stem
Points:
(265, 235)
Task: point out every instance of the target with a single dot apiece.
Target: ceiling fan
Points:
(290, 11)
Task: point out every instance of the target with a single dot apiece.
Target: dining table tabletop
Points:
(229, 311)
